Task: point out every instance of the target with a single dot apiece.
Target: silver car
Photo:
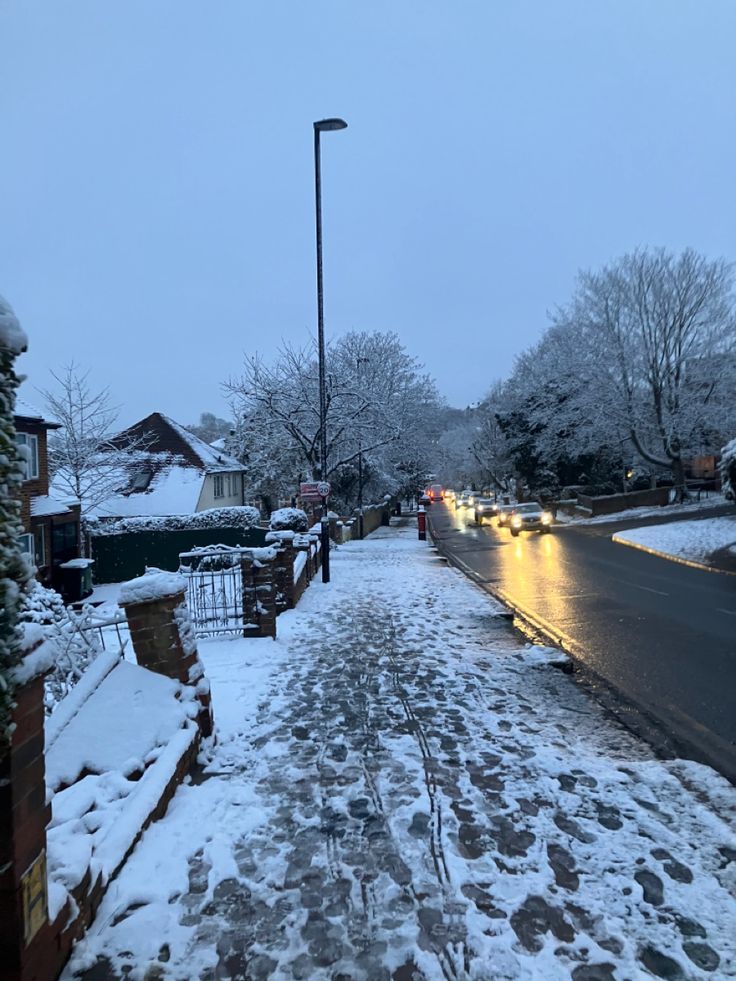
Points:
(529, 517)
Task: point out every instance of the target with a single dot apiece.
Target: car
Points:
(463, 500)
(485, 507)
(504, 513)
(424, 499)
(436, 492)
(529, 517)
(450, 495)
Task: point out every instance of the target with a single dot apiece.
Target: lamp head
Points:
(325, 125)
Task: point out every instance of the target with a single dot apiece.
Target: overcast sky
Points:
(157, 185)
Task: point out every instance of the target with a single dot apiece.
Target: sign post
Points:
(323, 489)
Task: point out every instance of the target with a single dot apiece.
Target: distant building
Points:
(176, 473)
(50, 523)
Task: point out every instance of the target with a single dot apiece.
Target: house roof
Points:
(25, 410)
(45, 505)
(175, 489)
(162, 435)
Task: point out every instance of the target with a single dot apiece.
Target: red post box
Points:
(422, 524)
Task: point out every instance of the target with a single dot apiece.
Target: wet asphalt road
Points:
(660, 633)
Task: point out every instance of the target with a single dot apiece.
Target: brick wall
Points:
(39, 485)
(163, 641)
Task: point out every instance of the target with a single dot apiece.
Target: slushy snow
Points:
(402, 789)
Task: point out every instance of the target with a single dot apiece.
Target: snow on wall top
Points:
(12, 335)
(151, 586)
(40, 657)
(132, 713)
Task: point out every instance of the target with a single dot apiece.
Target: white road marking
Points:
(648, 589)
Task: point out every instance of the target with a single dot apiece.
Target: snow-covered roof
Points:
(175, 489)
(163, 434)
(46, 504)
(26, 410)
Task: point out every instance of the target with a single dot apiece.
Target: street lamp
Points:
(322, 126)
(360, 361)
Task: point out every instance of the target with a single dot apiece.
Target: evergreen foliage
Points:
(14, 569)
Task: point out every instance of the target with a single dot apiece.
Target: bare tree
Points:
(82, 461)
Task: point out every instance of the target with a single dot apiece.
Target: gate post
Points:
(265, 590)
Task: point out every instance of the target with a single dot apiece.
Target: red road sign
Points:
(314, 490)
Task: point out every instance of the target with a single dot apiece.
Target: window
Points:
(140, 480)
(30, 463)
(219, 488)
(40, 546)
(26, 544)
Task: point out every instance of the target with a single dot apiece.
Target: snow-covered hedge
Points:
(76, 647)
(289, 519)
(237, 517)
(728, 470)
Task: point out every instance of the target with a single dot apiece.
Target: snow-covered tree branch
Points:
(377, 396)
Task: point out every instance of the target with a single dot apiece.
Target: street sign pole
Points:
(325, 537)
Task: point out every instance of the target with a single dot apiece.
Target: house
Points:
(50, 524)
(169, 470)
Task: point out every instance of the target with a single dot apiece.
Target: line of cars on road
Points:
(529, 516)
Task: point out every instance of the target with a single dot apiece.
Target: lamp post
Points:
(322, 126)
(360, 362)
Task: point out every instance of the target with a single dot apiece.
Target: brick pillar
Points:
(24, 815)
(164, 642)
(265, 589)
(284, 577)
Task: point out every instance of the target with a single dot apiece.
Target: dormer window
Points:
(139, 481)
(29, 460)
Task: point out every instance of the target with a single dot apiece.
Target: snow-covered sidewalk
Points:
(403, 790)
(708, 541)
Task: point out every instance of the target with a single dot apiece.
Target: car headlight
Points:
(546, 518)
(516, 521)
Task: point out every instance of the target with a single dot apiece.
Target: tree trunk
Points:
(678, 472)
